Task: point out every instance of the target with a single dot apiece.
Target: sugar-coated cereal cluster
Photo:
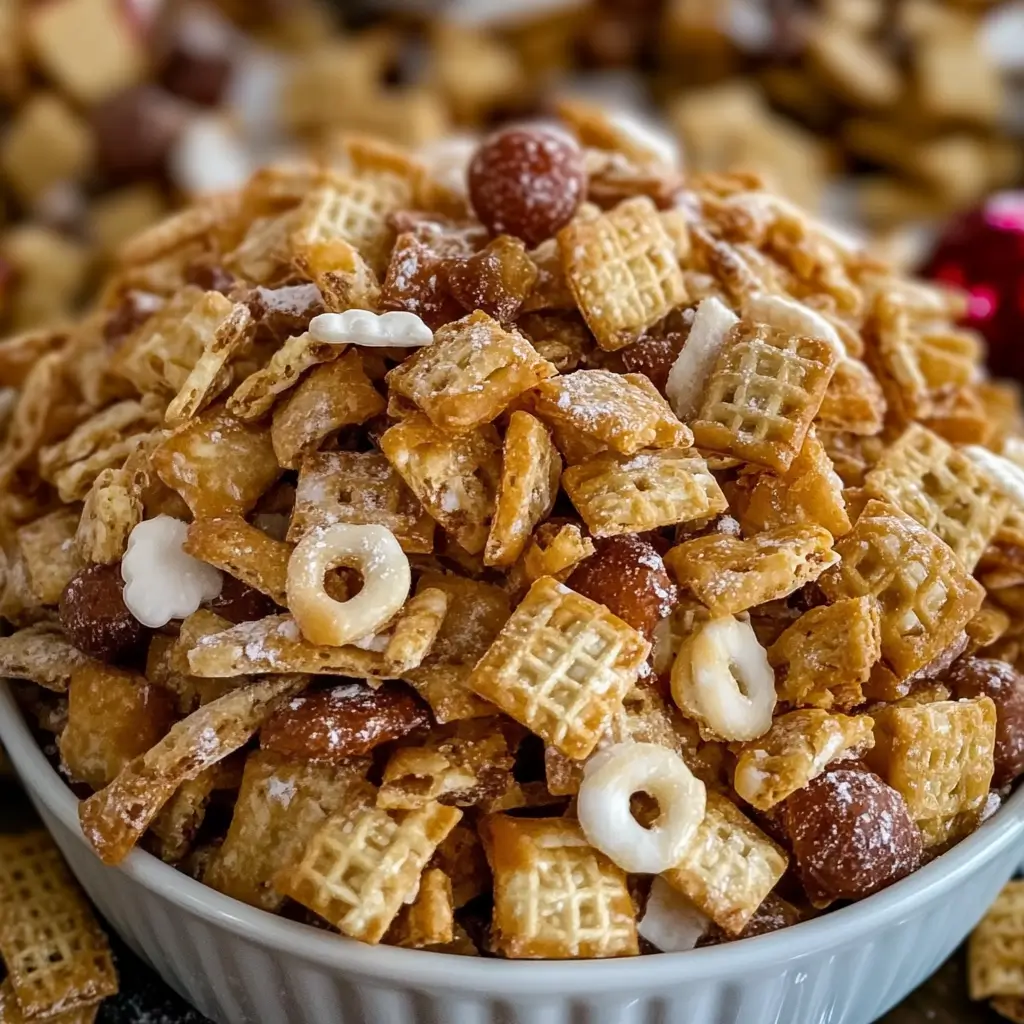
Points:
(565, 559)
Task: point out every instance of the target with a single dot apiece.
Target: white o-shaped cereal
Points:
(374, 552)
(611, 777)
(722, 679)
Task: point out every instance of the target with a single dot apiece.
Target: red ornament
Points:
(982, 252)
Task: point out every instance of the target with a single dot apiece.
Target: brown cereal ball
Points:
(851, 834)
(627, 576)
(527, 182)
(95, 617)
(986, 677)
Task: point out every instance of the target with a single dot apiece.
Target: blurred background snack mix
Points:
(882, 114)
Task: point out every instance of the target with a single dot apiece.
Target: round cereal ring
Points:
(373, 552)
(721, 678)
(610, 779)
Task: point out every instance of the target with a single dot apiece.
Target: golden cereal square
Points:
(797, 748)
(729, 574)
(115, 818)
(940, 757)
(51, 557)
(470, 373)
(88, 47)
(348, 211)
(530, 474)
(729, 867)
(113, 716)
(621, 411)
(476, 613)
(455, 477)
(824, 658)
(334, 395)
(853, 401)
(234, 546)
(1010, 1008)
(942, 489)
(763, 394)
(430, 919)
(623, 271)
(633, 493)
(361, 488)
(561, 666)
(161, 354)
(925, 596)
(56, 955)
(112, 509)
(218, 464)
(104, 441)
(280, 806)
(810, 491)
(273, 645)
(555, 896)
(555, 550)
(995, 953)
(364, 863)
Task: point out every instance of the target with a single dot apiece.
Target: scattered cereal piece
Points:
(824, 658)
(455, 477)
(115, 818)
(57, 957)
(810, 491)
(995, 953)
(924, 595)
(358, 487)
(282, 803)
(942, 489)
(113, 716)
(41, 654)
(797, 748)
(470, 374)
(530, 472)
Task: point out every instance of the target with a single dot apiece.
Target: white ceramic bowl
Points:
(243, 966)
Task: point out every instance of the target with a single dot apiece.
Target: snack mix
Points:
(886, 112)
(564, 558)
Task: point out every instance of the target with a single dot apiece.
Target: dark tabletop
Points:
(144, 999)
